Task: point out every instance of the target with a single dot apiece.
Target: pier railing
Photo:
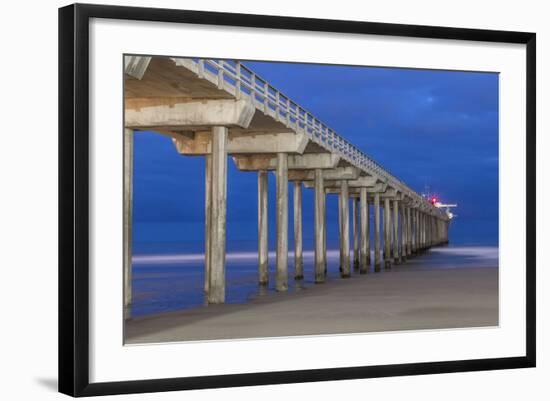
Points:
(238, 80)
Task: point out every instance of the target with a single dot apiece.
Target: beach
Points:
(440, 289)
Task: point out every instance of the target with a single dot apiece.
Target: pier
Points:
(220, 110)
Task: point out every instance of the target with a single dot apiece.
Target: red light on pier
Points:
(434, 200)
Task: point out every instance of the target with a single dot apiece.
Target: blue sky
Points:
(434, 128)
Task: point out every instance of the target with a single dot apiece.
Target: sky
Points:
(435, 129)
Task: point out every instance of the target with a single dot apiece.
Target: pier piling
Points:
(216, 287)
(387, 234)
(298, 258)
(263, 251)
(281, 276)
(320, 229)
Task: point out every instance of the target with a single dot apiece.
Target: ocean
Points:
(169, 281)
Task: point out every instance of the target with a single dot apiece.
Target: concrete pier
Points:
(210, 109)
(324, 216)
(207, 218)
(429, 231)
(365, 231)
(281, 276)
(387, 234)
(298, 257)
(423, 224)
(344, 196)
(383, 236)
(340, 230)
(320, 229)
(416, 231)
(409, 233)
(128, 196)
(216, 287)
(422, 232)
(356, 224)
(403, 232)
(377, 261)
(263, 251)
(396, 240)
(426, 227)
(419, 231)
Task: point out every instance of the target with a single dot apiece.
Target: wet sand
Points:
(407, 297)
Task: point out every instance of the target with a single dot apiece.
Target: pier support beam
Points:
(383, 231)
(207, 218)
(365, 232)
(263, 251)
(396, 241)
(320, 229)
(298, 258)
(428, 231)
(421, 225)
(324, 214)
(344, 196)
(216, 287)
(415, 231)
(281, 276)
(429, 221)
(387, 234)
(128, 196)
(404, 232)
(423, 242)
(422, 232)
(419, 231)
(356, 223)
(377, 261)
(430, 240)
(408, 247)
(340, 238)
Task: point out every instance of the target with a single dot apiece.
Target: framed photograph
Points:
(251, 199)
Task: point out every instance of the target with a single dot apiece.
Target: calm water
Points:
(165, 282)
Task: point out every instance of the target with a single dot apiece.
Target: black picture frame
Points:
(74, 198)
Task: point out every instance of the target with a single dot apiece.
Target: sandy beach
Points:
(407, 297)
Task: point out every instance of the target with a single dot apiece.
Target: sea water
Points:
(169, 281)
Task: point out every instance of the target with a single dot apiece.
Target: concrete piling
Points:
(345, 273)
(298, 257)
(263, 251)
(377, 261)
(128, 202)
(396, 255)
(408, 247)
(365, 231)
(216, 287)
(403, 232)
(387, 234)
(207, 218)
(281, 275)
(324, 215)
(415, 234)
(320, 239)
(356, 224)
(340, 230)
